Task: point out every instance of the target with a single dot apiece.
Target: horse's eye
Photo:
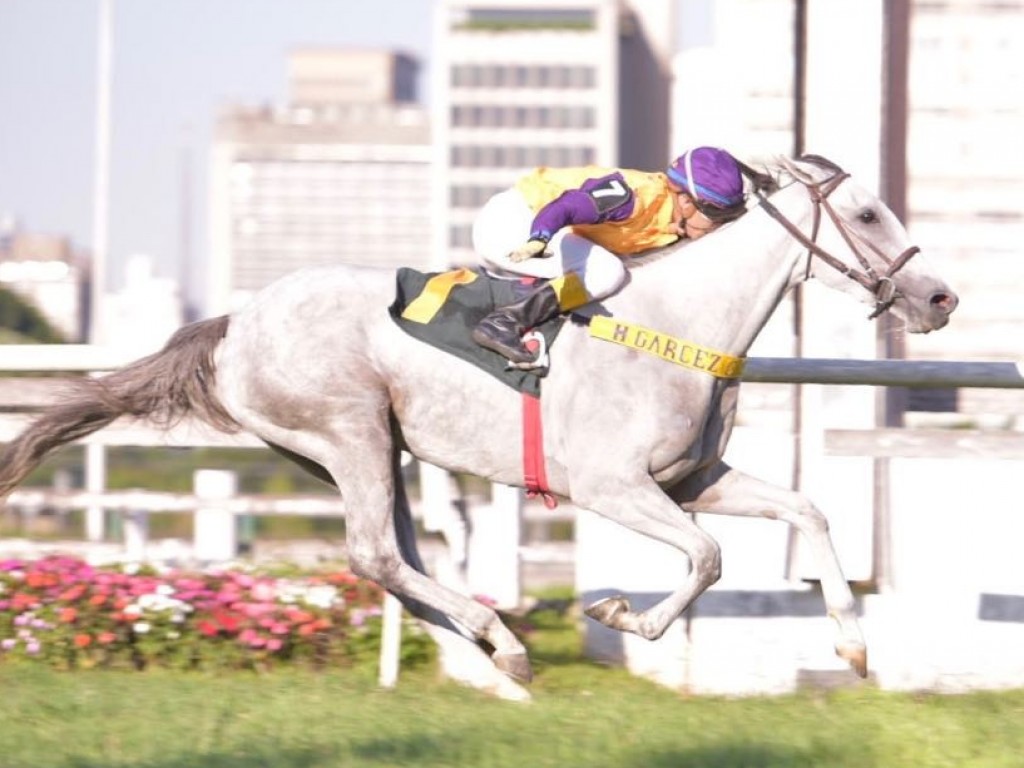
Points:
(868, 216)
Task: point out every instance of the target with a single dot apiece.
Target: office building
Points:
(339, 175)
(523, 84)
(47, 272)
(964, 181)
(141, 316)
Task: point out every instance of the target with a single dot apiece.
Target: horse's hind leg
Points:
(361, 466)
(722, 490)
(462, 659)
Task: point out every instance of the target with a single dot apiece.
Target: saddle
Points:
(441, 309)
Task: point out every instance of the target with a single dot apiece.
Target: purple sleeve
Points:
(596, 201)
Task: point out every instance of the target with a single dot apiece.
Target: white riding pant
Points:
(503, 225)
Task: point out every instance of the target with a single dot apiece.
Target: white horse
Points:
(317, 368)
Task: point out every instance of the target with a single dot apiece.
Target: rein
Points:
(881, 287)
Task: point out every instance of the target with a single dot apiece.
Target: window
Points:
(518, 19)
(460, 236)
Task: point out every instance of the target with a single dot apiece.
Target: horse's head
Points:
(856, 245)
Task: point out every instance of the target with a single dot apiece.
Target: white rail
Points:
(884, 373)
(776, 370)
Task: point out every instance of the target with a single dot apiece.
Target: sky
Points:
(175, 63)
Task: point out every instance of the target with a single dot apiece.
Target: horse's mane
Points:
(655, 254)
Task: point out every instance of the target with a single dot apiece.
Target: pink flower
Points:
(263, 592)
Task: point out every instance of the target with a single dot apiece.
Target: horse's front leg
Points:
(722, 490)
(640, 505)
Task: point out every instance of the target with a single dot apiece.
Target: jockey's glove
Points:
(531, 249)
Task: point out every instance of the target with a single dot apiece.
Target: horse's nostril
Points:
(946, 302)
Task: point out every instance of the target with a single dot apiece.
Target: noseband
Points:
(881, 287)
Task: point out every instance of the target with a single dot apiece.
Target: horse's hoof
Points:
(515, 665)
(507, 689)
(608, 611)
(857, 655)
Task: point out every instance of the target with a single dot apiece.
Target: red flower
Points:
(343, 577)
(72, 594)
(208, 628)
(68, 615)
(106, 638)
(36, 579)
(21, 601)
(97, 600)
(300, 617)
(228, 622)
(83, 640)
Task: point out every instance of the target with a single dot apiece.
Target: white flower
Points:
(160, 602)
(141, 627)
(165, 589)
(321, 596)
(133, 609)
(147, 602)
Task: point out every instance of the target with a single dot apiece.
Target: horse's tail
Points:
(173, 383)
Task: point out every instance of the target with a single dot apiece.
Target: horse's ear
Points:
(760, 181)
(812, 168)
(796, 171)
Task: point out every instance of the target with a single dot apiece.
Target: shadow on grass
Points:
(254, 758)
(750, 756)
(443, 750)
(431, 751)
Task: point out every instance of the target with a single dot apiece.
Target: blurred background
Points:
(161, 161)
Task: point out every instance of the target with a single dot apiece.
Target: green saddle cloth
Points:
(441, 308)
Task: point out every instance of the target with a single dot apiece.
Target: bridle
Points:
(881, 287)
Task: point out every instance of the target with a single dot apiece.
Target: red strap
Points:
(534, 471)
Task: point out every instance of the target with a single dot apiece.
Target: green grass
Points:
(589, 717)
(583, 714)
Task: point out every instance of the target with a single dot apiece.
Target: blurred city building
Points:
(937, 146)
(48, 272)
(141, 316)
(340, 174)
(965, 182)
(526, 83)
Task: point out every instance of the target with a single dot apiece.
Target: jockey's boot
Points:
(502, 330)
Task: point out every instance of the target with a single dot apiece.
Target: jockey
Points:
(581, 222)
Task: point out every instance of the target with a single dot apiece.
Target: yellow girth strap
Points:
(674, 350)
(435, 293)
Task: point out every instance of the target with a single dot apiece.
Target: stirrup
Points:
(488, 337)
(542, 360)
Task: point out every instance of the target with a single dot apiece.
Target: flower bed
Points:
(64, 612)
